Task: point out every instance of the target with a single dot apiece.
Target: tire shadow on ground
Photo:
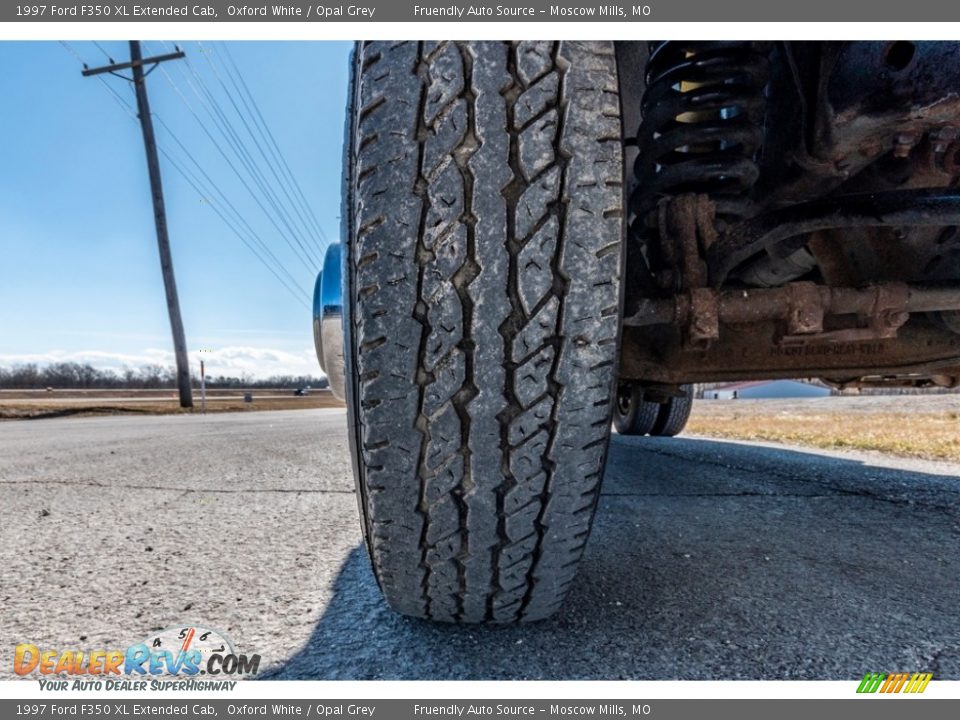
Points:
(708, 560)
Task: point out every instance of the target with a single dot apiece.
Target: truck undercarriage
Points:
(793, 213)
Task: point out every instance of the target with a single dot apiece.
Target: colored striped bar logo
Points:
(894, 683)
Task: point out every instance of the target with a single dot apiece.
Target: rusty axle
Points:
(804, 304)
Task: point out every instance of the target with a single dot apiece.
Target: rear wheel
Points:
(634, 415)
(673, 415)
(482, 279)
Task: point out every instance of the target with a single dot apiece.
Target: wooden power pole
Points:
(137, 61)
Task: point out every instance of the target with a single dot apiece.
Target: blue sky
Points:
(80, 272)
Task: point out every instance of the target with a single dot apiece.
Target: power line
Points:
(105, 53)
(238, 216)
(264, 183)
(263, 180)
(310, 235)
(126, 106)
(70, 49)
(256, 197)
(273, 141)
(192, 182)
(284, 176)
(118, 98)
(233, 139)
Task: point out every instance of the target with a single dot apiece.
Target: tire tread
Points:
(485, 368)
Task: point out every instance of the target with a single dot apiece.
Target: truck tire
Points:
(673, 415)
(634, 415)
(482, 302)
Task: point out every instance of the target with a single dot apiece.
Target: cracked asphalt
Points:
(708, 560)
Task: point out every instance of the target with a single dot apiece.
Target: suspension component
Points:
(702, 124)
(785, 231)
(884, 308)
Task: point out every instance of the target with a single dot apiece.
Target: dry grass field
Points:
(31, 404)
(923, 426)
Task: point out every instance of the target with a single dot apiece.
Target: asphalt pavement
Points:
(708, 560)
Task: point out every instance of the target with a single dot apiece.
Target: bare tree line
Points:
(71, 375)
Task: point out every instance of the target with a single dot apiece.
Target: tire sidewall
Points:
(347, 225)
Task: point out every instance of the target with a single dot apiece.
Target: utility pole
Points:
(137, 61)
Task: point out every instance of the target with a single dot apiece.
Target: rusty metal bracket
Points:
(704, 324)
(890, 309)
(687, 231)
(806, 309)
(886, 314)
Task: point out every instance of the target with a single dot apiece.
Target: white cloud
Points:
(232, 361)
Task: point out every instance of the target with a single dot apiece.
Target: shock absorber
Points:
(702, 124)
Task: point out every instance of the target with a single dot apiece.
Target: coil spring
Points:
(702, 124)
